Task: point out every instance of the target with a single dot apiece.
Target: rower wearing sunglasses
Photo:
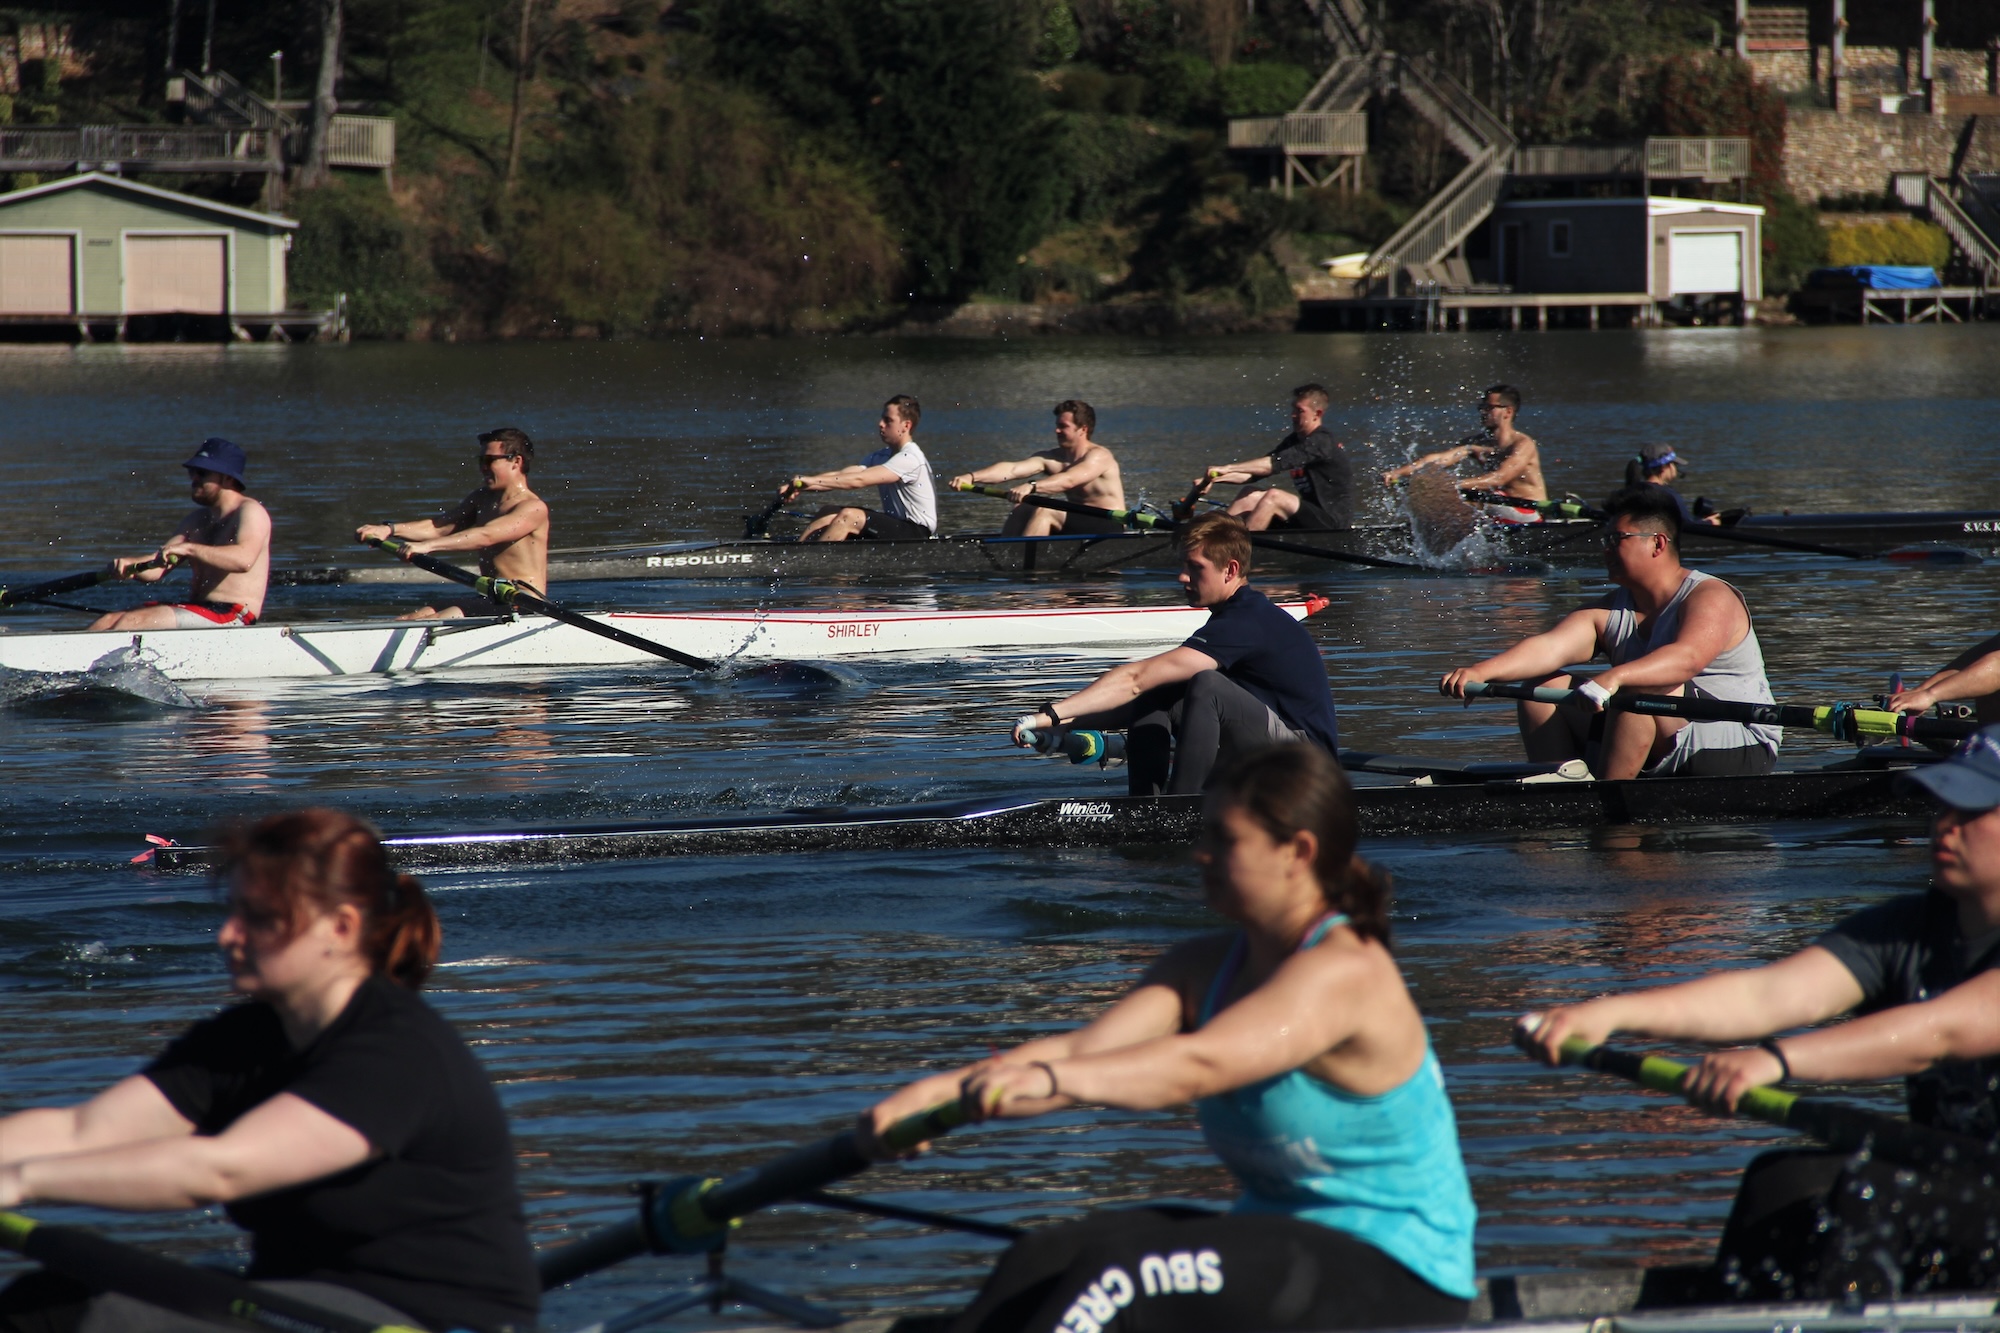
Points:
(503, 520)
(1666, 630)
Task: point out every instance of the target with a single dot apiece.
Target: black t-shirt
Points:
(1321, 473)
(1260, 647)
(1910, 949)
(432, 1225)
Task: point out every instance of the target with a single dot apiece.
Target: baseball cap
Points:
(219, 455)
(1969, 780)
(1658, 456)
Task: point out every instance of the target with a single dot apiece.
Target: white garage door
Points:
(1705, 261)
(37, 275)
(174, 273)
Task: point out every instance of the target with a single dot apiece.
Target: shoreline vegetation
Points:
(644, 168)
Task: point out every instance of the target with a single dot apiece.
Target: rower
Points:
(1319, 467)
(225, 540)
(1078, 469)
(333, 1113)
(1297, 1041)
(1974, 674)
(1249, 677)
(899, 468)
(1513, 461)
(1666, 630)
(1659, 465)
(503, 520)
(1925, 969)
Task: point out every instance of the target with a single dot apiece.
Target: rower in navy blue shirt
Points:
(1252, 676)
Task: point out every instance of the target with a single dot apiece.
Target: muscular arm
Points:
(285, 1141)
(1973, 674)
(1712, 620)
(1811, 986)
(129, 1110)
(424, 529)
(851, 478)
(1127, 681)
(1236, 474)
(1081, 473)
(1574, 639)
(995, 474)
(511, 526)
(1443, 458)
(1961, 1024)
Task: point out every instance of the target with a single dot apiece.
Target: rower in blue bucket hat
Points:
(219, 455)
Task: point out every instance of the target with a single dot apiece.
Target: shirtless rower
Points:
(1078, 469)
(1974, 674)
(503, 520)
(1513, 461)
(225, 540)
(1318, 466)
(1667, 630)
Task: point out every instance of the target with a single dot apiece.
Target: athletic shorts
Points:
(209, 615)
(1094, 525)
(1734, 761)
(1511, 515)
(1311, 518)
(883, 527)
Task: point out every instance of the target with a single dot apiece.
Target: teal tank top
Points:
(1385, 1169)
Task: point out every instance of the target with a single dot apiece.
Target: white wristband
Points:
(1594, 692)
(1026, 722)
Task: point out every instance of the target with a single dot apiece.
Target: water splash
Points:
(122, 676)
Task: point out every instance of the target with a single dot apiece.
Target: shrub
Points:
(1265, 89)
(1082, 88)
(352, 239)
(1181, 88)
(1896, 241)
(1126, 95)
(1794, 242)
(1059, 39)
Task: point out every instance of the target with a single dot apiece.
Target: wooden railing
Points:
(202, 148)
(1702, 159)
(1777, 28)
(1713, 160)
(1444, 221)
(1979, 249)
(1328, 132)
(361, 141)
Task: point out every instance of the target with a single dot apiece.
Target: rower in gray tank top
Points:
(1736, 674)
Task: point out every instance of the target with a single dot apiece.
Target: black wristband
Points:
(1055, 1089)
(1055, 718)
(390, 535)
(1770, 1046)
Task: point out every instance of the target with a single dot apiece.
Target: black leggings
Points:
(1810, 1224)
(1187, 1270)
(1181, 734)
(45, 1302)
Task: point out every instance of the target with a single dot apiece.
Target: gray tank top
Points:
(1736, 674)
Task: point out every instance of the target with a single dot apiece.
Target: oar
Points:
(508, 593)
(1184, 509)
(1843, 721)
(1573, 509)
(1836, 1124)
(1139, 519)
(78, 582)
(692, 1215)
(199, 1293)
(1564, 509)
(755, 525)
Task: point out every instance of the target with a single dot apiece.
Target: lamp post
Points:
(277, 77)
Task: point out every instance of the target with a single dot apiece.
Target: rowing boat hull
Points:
(279, 652)
(1842, 794)
(979, 555)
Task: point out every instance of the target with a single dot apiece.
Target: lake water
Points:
(696, 1015)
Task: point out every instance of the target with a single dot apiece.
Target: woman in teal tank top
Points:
(1296, 1038)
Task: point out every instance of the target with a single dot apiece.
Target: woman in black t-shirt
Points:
(335, 1114)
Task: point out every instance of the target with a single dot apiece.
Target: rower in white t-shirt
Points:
(899, 468)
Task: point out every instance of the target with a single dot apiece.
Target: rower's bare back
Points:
(524, 559)
(204, 527)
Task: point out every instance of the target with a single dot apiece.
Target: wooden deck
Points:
(1444, 311)
(1884, 305)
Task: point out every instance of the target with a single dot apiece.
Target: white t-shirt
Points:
(914, 498)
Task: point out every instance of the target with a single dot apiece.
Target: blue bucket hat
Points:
(1969, 780)
(219, 455)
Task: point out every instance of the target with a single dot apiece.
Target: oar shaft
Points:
(78, 582)
(1839, 720)
(200, 1293)
(509, 593)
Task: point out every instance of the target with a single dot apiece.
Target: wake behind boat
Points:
(346, 648)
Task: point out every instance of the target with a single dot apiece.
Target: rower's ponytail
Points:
(1294, 788)
(321, 858)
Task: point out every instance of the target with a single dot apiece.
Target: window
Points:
(1559, 240)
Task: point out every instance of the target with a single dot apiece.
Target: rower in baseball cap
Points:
(220, 456)
(1969, 781)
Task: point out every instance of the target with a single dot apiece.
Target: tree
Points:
(319, 133)
(932, 96)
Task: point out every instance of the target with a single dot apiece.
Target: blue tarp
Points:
(1892, 277)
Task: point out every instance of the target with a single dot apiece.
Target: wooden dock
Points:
(1894, 305)
(1440, 312)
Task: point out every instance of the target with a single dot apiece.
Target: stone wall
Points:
(1834, 153)
(1872, 72)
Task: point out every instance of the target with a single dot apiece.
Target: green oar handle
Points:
(692, 1215)
(199, 1293)
(1571, 509)
(1772, 1105)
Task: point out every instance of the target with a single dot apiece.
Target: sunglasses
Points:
(1611, 539)
(488, 460)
